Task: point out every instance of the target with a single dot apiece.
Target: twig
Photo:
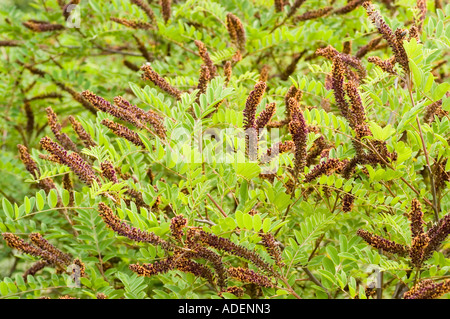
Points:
(217, 205)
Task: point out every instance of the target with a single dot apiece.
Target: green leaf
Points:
(248, 221)
(8, 208)
(52, 198)
(417, 73)
(257, 223)
(28, 205)
(333, 253)
(440, 90)
(329, 265)
(40, 201)
(266, 225)
(4, 288)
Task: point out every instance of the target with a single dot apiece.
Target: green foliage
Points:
(299, 231)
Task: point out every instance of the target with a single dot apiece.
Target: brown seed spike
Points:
(206, 58)
(124, 132)
(265, 116)
(313, 14)
(427, 289)
(150, 74)
(379, 242)
(337, 81)
(299, 133)
(166, 9)
(56, 128)
(251, 104)
(249, 276)
(387, 33)
(236, 31)
(84, 136)
(146, 8)
(42, 26)
(27, 161)
(133, 24)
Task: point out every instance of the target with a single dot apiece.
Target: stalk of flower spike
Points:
(226, 245)
(327, 167)
(42, 243)
(312, 14)
(176, 226)
(368, 47)
(124, 132)
(166, 9)
(42, 26)
(203, 51)
(56, 128)
(17, 243)
(236, 31)
(350, 6)
(299, 133)
(146, 8)
(272, 247)
(82, 134)
(133, 24)
(386, 65)
(249, 276)
(123, 229)
(151, 75)
(387, 33)
(74, 161)
(427, 289)
(382, 243)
